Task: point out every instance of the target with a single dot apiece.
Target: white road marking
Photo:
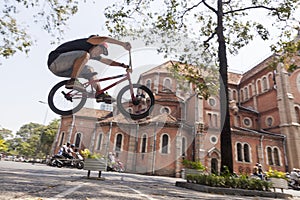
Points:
(140, 193)
(69, 191)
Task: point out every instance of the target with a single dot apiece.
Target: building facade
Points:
(264, 114)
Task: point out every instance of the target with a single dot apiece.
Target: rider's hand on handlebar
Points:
(125, 66)
(128, 68)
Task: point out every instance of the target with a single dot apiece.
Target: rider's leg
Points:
(95, 85)
(79, 64)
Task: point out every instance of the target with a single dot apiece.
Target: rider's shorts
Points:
(63, 65)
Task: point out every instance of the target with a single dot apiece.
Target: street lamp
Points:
(44, 123)
(200, 138)
(45, 118)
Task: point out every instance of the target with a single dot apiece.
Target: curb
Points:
(232, 191)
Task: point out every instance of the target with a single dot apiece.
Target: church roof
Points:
(92, 113)
(234, 78)
(161, 118)
(163, 68)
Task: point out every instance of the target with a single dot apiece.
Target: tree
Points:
(26, 131)
(33, 140)
(214, 27)
(51, 15)
(3, 146)
(47, 137)
(5, 133)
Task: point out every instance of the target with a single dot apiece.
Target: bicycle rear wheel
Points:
(64, 101)
(138, 108)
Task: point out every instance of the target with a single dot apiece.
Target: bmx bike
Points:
(134, 101)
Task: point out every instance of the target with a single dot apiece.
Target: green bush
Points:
(241, 182)
(193, 165)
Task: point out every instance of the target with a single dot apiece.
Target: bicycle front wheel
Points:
(136, 105)
(64, 101)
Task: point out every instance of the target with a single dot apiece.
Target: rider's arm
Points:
(95, 40)
(110, 62)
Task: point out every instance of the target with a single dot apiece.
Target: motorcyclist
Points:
(78, 154)
(71, 151)
(258, 171)
(111, 160)
(66, 150)
(295, 177)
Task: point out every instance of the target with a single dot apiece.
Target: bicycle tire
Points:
(125, 93)
(68, 107)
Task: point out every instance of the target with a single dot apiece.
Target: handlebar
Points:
(129, 69)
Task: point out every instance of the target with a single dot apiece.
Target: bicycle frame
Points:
(125, 77)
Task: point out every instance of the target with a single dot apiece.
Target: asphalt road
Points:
(41, 182)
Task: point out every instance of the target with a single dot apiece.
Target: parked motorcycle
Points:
(61, 161)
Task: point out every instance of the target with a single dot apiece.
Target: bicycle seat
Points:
(89, 75)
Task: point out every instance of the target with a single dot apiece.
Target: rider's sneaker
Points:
(104, 97)
(74, 84)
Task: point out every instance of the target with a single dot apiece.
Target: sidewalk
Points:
(294, 193)
(287, 194)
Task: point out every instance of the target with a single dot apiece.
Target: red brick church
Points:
(265, 124)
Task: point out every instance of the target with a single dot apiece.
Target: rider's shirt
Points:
(75, 45)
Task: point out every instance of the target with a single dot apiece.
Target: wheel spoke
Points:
(138, 108)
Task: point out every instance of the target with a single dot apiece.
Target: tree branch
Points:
(253, 7)
(206, 44)
(211, 8)
(227, 2)
(136, 9)
(188, 10)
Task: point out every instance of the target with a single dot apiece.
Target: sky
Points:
(25, 80)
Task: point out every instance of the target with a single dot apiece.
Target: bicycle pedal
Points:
(108, 101)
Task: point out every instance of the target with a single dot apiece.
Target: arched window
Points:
(215, 120)
(214, 166)
(269, 153)
(230, 94)
(297, 111)
(165, 144)
(99, 141)
(239, 152)
(264, 84)
(62, 139)
(183, 146)
(234, 95)
(246, 93)
(242, 95)
(276, 157)
(167, 84)
(243, 152)
(148, 83)
(258, 86)
(250, 91)
(118, 146)
(144, 144)
(270, 80)
(246, 153)
(77, 139)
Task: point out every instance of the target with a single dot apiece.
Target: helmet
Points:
(104, 47)
(72, 145)
(104, 44)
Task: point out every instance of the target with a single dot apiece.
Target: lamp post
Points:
(200, 147)
(44, 123)
(45, 118)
